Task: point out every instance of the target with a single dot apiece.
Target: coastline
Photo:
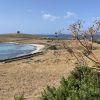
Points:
(39, 48)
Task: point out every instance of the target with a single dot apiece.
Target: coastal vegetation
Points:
(97, 41)
(82, 84)
(20, 97)
(52, 47)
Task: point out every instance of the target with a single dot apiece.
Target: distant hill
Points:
(22, 35)
(18, 37)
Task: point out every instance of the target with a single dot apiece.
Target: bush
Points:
(20, 97)
(98, 66)
(97, 41)
(53, 47)
(82, 84)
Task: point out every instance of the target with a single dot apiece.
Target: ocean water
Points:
(13, 50)
(63, 36)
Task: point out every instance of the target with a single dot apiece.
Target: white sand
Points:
(38, 48)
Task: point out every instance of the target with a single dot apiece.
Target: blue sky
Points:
(45, 16)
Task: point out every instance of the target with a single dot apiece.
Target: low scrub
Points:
(82, 84)
(52, 47)
(20, 97)
(97, 41)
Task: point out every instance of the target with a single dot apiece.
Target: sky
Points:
(46, 16)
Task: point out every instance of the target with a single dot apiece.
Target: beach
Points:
(38, 48)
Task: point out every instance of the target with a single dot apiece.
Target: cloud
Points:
(95, 18)
(69, 15)
(50, 17)
(47, 16)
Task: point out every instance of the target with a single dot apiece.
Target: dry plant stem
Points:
(96, 60)
(83, 39)
(92, 60)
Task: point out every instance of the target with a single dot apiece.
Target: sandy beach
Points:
(38, 48)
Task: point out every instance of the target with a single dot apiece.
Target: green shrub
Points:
(98, 66)
(97, 41)
(20, 97)
(82, 84)
(53, 47)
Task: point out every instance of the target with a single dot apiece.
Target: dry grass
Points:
(33, 74)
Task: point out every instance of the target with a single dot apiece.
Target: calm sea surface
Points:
(12, 50)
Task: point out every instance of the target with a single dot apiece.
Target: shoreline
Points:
(39, 48)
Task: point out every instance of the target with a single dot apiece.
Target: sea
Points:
(63, 36)
(13, 50)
